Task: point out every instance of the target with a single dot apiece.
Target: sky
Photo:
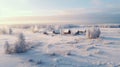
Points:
(59, 11)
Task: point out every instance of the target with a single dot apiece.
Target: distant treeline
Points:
(25, 26)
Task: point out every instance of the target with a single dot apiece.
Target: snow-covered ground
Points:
(64, 50)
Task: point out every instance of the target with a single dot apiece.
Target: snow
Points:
(64, 50)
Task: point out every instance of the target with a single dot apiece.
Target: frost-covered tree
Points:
(7, 48)
(20, 45)
(35, 29)
(10, 31)
(6, 30)
(3, 31)
(93, 33)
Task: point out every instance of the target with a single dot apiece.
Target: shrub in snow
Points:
(39, 62)
(45, 33)
(68, 53)
(56, 31)
(30, 60)
(82, 32)
(77, 33)
(67, 32)
(52, 54)
(93, 33)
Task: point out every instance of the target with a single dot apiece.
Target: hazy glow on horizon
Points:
(45, 11)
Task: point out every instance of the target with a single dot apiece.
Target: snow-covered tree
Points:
(35, 29)
(93, 33)
(7, 47)
(10, 31)
(6, 30)
(3, 31)
(20, 45)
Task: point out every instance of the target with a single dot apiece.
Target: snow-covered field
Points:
(64, 50)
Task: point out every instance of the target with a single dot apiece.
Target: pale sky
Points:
(59, 11)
